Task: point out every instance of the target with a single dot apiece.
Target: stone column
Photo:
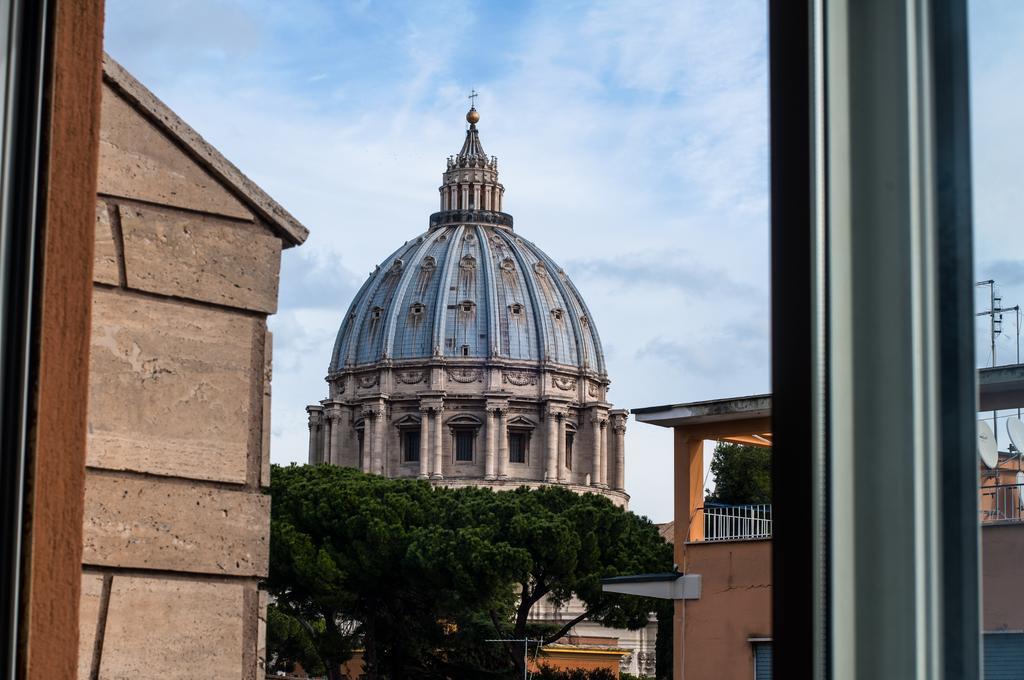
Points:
(604, 452)
(324, 454)
(502, 444)
(551, 464)
(619, 427)
(437, 472)
(337, 432)
(380, 443)
(490, 454)
(597, 453)
(368, 437)
(424, 442)
(563, 471)
(314, 434)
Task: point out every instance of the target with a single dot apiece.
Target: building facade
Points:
(469, 358)
(176, 522)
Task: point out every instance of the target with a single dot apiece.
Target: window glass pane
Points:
(411, 446)
(517, 447)
(464, 445)
(997, 145)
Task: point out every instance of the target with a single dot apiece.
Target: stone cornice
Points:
(488, 217)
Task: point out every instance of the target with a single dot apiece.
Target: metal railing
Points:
(1002, 503)
(737, 522)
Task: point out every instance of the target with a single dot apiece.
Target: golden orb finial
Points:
(473, 116)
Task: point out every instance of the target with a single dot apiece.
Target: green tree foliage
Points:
(743, 474)
(294, 640)
(419, 577)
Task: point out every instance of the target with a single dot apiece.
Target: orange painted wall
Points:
(1002, 570)
(734, 606)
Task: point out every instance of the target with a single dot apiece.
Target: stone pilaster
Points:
(437, 451)
(502, 418)
(380, 439)
(597, 449)
(369, 430)
(491, 454)
(337, 419)
(551, 462)
(563, 469)
(424, 442)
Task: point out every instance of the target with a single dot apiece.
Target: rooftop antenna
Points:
(995, 329)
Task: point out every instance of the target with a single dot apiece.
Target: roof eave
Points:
(290, 229)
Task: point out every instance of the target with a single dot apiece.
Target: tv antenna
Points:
(995, 329)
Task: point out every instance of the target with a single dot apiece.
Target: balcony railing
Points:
(1002, 503)
(736, 522)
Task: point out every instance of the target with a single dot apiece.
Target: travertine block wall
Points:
(176, 522)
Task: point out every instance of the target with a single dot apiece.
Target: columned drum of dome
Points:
(469, 358)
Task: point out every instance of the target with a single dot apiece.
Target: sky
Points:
(633, 146)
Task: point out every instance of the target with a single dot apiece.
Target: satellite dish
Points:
(1015, 428)
(987, 448)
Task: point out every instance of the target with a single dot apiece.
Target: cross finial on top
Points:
(472, 98)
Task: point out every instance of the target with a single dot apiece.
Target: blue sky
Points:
(632, 139)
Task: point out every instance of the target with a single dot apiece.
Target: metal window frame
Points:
(25, 27)
(874, 391)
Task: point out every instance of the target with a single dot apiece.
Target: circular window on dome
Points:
(508, 265)
(558, 314)
(516, 309)
(429, 262)
(416, 309)
(376, 312)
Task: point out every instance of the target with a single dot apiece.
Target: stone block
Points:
(105, 260)
(200, 258)
(172, 629)
(88, 618)
(139, 161)
(173, 526)
(172, 387)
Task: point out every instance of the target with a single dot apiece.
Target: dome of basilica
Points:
(469, 291)
(469, 358)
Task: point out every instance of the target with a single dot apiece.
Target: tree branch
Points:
(566, 628)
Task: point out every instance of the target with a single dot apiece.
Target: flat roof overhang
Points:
(1001, 387)
(700, 412)
(667, 586)
(741, 420)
